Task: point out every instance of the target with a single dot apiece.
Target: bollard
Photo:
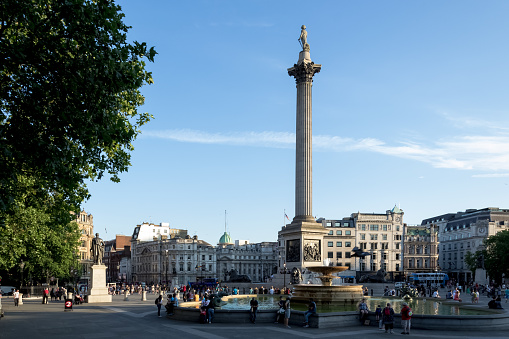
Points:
(20, 300)
(144, 296)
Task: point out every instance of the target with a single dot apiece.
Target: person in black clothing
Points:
(253, 310)
(281, 311)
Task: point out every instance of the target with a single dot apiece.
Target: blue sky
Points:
(410, 108)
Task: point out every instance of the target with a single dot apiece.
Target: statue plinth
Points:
(98, 292)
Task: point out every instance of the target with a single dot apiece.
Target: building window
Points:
(339, 255)
(397, 245)
(203, 257)
(348, 232)
(397, 257)
(345, 224)
(339, 244)
(330, 244)
(397, 267)
(348, 255)
(363, 236)
(329, 224)
(384, 227)
(348, 244)
(384, 236)
(339, 232)
(363, 227)
(348, 265)
(397, 228)
(331, 232)
(330, 255)
(374, 236)
(373, 227)
(337, 224)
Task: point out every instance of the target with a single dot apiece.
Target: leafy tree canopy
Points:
(69, 97)
(70, 89)
(496, 255)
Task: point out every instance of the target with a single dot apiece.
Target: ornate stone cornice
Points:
(304, 71)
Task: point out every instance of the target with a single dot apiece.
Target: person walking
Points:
(406, 316)
(45, 295)
(253, 310)
(210, 310)
(15, 296)
(388, 316)
(378, 315)
(287, 311)
(159, 303)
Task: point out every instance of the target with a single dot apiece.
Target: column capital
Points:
(304, 71)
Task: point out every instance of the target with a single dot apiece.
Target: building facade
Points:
(421, 248)
(175, 261)
(381, 235)
(464, 232)
(258, 261)
(85, 223)
(116, 251)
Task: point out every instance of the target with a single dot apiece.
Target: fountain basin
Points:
(485, 318)
(328, 295)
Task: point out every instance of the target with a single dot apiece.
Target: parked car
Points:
(7, 290)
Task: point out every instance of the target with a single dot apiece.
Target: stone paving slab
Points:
(137, 319)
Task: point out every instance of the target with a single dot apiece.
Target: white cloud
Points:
(482, 153)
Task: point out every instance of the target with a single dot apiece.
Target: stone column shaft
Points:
(304, 152)
(303, 72)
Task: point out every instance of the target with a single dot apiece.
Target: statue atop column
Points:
(303, 39)
(97, 250)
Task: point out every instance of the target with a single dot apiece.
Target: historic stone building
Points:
(85, 223)
(381, 235)
(175, 261)
(464, 232)
(420, 253)
(339, 242)
(117, 258)
(258, 261)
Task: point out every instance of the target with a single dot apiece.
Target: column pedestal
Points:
(98, 292)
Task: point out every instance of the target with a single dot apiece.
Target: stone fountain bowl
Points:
(327, 270)
(326, 294)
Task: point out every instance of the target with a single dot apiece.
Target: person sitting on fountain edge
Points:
(311, 310)
(363, 310)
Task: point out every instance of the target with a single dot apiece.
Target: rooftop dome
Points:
(225, 239)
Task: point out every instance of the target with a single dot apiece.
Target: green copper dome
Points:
(225, 239)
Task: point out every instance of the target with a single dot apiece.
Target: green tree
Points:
(471, 261)
(496, 255)
(70, 89)
(69, 97)
(38, 232)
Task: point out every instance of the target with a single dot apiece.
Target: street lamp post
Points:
(284, 274)
(166, 252)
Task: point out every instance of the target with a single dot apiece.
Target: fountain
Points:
(326, 293)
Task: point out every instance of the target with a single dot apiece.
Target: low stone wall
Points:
(497, 320)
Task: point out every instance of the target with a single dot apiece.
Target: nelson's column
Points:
(303, 238)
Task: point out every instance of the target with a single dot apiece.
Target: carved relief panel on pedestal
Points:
(293, 250)
(312, 250)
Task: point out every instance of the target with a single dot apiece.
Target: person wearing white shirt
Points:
(15, 295)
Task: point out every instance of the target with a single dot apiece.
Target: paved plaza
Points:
(138, 319)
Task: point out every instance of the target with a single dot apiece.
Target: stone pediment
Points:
(145, 251)
(225, 259)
